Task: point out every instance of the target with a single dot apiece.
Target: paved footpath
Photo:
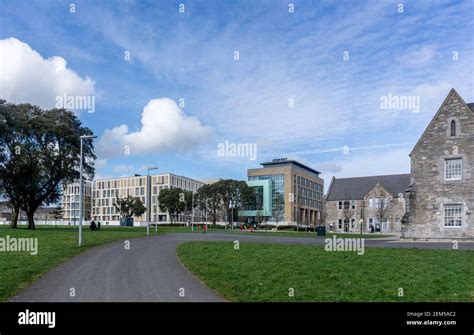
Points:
(150, 271)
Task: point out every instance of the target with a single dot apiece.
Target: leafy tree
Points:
(58, 213)
(209, 200)
(189, 204)
(39, 149)
(234, 194)
(129, 206)
(173, 201)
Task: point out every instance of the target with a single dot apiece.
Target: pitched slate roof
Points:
(358, 187)
(471, 106)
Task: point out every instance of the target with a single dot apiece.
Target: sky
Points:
(176, 83)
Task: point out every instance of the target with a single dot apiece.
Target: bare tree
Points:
(347, 211)
(381, 205)
(362, 216)
(279, 204)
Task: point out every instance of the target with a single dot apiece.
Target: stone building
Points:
(440, 198)
(376, 200)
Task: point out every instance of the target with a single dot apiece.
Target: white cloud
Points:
(368, 164)
(420, 56)
(25, 76)
(165, 127)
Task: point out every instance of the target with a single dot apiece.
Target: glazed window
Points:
(453, 215)
(453, 169)
(453, 128)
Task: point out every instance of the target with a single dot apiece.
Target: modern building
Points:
(379, 201)
(288, 193)
(146, 188)
(70, 201)
(440, 199)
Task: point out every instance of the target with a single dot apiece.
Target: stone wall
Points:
(430, 189)
(394, 214)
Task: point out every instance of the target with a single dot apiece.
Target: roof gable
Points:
(358, 187)
(451, 94)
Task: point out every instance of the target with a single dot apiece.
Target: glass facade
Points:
(278, 194)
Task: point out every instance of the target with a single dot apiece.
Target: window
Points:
(453, 128)
(353, 204)
(453, 215)
(340, 205)
(453, 169)
(340, 224)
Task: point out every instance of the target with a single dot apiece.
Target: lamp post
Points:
(80, 188)
(207, 209)
(232, 218)
(148, 202)
(192, 210)
(148, 198)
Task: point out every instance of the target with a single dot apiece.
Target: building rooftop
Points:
(471, 106)
(357, 188)
(283, 161)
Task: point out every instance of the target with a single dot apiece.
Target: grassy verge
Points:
(268, 272)
(301, 234)
(55, 245)
(177, 229)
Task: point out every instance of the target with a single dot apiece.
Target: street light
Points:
(192, 209)
(148, 202)
(80, 189)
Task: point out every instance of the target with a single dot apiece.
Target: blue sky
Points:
(283, 56)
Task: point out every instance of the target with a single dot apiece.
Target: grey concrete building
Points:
(372, 203)
(440, 198)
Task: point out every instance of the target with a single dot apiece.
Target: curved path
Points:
(151, 271)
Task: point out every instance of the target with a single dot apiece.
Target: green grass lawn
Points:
(55, 245)
(297, 234)
(266, 272)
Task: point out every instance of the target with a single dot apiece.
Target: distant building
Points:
(288, 192)
(6, 211)
(378, 200)
(70, 201)
(146, 188)
(42, 213)
(441, 193)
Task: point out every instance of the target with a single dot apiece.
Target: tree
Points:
(129, 206)
(209, 199)
(347, 211)
(381, 205)
(189, 204)
(279, 205)
(57, 214)
(362, 216)
(259, 217)
(234, 194)
(173, 201)
(39, 150)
